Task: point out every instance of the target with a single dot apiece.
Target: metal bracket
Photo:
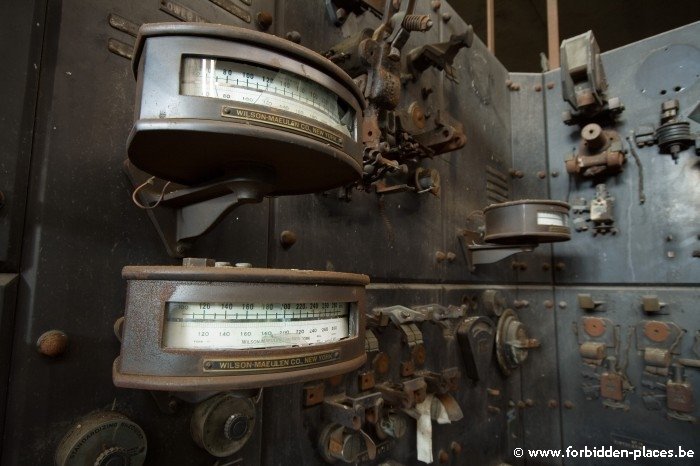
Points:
(183, 214)
(440, 55)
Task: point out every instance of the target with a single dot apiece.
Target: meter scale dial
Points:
(202, 327)
(254, 325)
(257, 85)
(218, 103)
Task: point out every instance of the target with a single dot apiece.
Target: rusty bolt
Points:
(511, 403)
(548, 304)
(287, 239)
(493, 409)
(264, 20)
(520, 404)
(562, 304)
(293, 36)
(521, 303)
(529, 403)
(517, 265)
(568, 404)
(451, 256)
(443, 457)
(560, 266)
(456, 448)
(538, 88)
(52, 343)
(446, 17)
(550, 85)
(516, 173)
(541, 175)
(552, 403)
(554, 174)
(435, 5)
(509, 83)
(493, 392)
(546, 266)
(440, 256)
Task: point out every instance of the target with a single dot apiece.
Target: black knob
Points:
(236, 427)
(115, 456)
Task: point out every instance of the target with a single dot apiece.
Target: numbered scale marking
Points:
(240, 82)
(254, 325)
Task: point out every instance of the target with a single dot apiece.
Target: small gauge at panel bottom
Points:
(209, 328)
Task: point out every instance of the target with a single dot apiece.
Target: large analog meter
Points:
(218, 102)
(214, 328)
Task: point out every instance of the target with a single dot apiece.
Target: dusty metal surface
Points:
(81, 229)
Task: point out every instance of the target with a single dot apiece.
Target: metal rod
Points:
(553, 33)
(490, 31)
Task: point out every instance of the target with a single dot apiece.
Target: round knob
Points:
(236, 427)
(115, 456)
(594, 136)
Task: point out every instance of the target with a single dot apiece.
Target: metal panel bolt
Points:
(552, 403)
(562, 304)
(516, 173)
(568, 404)
(446, 17)
(560, 266)
(52, 343)
(549, 304)
(264, 20)
(451, 256)
(293, 36)
(287, 239)
(435, 5)
(541, 175)
(440, 256)
(443, 457)
(456, 448)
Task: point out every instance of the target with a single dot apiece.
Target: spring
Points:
(417, 22)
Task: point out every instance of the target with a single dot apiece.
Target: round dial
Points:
(226, 325)
(259, 86)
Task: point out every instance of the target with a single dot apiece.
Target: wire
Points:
(633, 151)
(143, 185)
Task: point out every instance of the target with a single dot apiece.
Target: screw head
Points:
(288, 238)
(52, 343)
(264, 20)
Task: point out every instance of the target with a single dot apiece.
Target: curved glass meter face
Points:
(256, 85)
(221, 326)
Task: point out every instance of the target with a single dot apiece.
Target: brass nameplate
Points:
(283, 122)
(270, 364)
